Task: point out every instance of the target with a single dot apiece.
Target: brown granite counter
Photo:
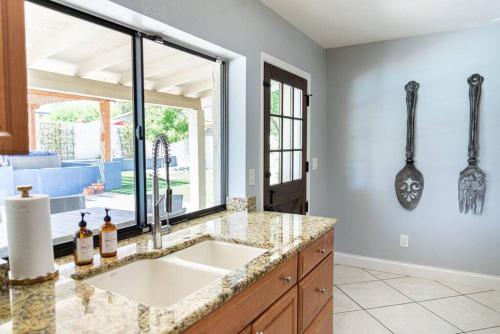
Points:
(69, 305)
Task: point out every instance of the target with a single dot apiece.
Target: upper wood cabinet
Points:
(14, 137)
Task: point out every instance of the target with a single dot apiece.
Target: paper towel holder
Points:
(28, 281)
(24, 189)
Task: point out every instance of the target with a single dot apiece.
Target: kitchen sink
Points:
(166, 280)
(219, 254)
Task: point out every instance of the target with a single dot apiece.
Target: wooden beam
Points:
(197, 87)
(105, 110)
(197, 169)
(64, 96)
(66, 38)
(98, 89)
(105, 60)
(161, 65)
(32, 125)
(194, 74)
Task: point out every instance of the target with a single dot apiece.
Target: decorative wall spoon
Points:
(409, 181)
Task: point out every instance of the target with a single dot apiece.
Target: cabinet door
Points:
(13, 87)
(280, 318)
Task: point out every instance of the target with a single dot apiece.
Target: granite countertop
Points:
(69, 305)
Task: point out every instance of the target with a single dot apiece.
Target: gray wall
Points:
(366, 141)
(248, 28)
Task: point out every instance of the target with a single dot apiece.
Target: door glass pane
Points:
(287, 133)
(287, 100)
(287, 166)
(297, 102)
(297, 134)
(274, 167)
(275, 97)
(297, 165)
(275, 133)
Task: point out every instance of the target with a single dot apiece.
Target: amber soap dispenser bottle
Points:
(83, 243)
(108, 238)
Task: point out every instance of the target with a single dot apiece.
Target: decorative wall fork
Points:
(472, 180)
(409, 181)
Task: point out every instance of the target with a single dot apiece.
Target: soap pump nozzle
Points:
(82, 222)
(107, 218)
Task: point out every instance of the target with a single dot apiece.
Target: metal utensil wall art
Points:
(472, 181)
(409, 182)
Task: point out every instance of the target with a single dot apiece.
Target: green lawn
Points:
(128, 184)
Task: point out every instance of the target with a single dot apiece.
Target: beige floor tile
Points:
(342, 302)
(464, 313)
(412, 319)
(374, 294)
(344, 274)
(421, 289)
(495, 330)
(490, 299)
(383, 275)
(465, 288)
(358, 322)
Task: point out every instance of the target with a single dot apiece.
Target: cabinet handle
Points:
(322, 251)
(321, 290)
(287, 280)
(259, 332)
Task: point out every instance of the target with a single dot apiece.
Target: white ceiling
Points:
(334, 23)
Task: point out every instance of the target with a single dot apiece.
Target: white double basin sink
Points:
(164, 281)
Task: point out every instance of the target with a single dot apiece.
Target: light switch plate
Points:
(251, 177)
(314, 163)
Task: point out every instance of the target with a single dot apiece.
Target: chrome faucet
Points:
(160, 142)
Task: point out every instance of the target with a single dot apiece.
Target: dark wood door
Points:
(285, 135)
(280, 318)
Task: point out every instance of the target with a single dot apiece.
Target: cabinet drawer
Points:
(247, 330)
(236, 314)
(314, 291)
(315, 253)
(323, 323)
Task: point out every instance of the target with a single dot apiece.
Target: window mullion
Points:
(139, 122)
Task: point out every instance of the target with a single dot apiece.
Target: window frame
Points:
(137, 37)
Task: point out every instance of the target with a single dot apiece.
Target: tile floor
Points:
(372, 302)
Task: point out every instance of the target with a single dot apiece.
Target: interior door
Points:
(285, 135)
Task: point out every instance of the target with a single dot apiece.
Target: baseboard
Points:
(421, 271)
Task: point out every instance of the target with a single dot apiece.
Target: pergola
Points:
(72, 60)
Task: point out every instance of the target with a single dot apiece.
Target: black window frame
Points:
(137, 37)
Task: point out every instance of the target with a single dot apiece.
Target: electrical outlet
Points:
(404, 240)
(314, 163)
(251, 177)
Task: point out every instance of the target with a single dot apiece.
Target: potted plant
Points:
(98, 187)
(89, 190)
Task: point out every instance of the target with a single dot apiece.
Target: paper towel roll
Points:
(29, 236)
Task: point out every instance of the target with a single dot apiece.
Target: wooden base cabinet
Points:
(294, 298)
